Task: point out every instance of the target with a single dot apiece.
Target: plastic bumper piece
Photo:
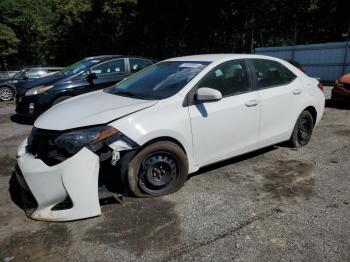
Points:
(76, 177)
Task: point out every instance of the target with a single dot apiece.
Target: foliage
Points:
(8, 41)
(59, 32)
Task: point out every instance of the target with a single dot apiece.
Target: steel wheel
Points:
(6, 93)
(158, 172)
(157, 169)
(302, 130)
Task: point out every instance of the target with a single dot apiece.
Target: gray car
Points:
(8, 85)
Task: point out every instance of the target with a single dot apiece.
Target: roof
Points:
(216, 57)
(44, 67)
(103, 57)
(107, 57)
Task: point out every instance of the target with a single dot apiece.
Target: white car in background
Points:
(161, 124)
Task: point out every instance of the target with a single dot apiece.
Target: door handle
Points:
(252, 103)
(296, 92)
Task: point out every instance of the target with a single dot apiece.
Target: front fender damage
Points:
(75, 179)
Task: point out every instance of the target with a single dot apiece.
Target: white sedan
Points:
(160, 125)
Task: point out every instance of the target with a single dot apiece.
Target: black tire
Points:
(60, 99)
(302, 130)
(158, 169)
(6, 93)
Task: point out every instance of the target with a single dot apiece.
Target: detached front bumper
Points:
(76, 178)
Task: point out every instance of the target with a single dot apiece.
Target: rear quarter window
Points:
(270, 73)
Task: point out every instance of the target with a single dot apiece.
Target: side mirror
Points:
(206, 94)
(90, 77)
(25, 78)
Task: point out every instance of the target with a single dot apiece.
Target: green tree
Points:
(30, 21)
(8, 42)
(59, 32)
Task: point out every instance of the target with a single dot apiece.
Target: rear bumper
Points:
(76, 178)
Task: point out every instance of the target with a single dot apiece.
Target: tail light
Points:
(320, 86)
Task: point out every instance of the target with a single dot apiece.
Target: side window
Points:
(35, 73)
(229, 78)
(110, 68)
(271, 73)
(137, 64)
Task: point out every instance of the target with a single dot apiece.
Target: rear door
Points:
(137, 64)
(280, 94)
(228, 127)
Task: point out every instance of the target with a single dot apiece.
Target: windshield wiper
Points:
(129, 94)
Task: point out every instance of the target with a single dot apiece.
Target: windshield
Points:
(158, 81)
(78, 66)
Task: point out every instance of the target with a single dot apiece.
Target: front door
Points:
(228, 127)
(108, 73)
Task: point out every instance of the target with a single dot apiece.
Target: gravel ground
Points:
(277, 204)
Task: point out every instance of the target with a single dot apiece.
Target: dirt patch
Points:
(5, 119)
(332, 206)
(287, 179)
(345, 132)
(7, 165)
(6, 104)
(239, 178)
(48, 244)
(140, 225)
(13, 140)
(17, 138)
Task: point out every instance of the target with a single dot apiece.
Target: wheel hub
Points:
(157, 172)
(5, 94)
(304, 129)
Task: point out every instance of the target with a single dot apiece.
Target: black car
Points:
(87, 75)
(9, 85)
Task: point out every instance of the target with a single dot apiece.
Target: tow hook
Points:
(115, 157)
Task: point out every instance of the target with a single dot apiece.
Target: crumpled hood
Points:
(90, 109)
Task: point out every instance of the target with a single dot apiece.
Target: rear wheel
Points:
(158, 169)
(6, 93)
(302, 130)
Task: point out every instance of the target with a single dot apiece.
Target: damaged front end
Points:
(60, 169)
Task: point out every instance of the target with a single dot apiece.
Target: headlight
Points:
(38, 90)
(92, 138)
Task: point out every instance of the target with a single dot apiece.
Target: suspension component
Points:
(115, 157)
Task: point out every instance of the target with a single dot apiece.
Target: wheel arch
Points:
(60, 94)
(313, 112)
(10, 86)
(192, 167)
(165, 138)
